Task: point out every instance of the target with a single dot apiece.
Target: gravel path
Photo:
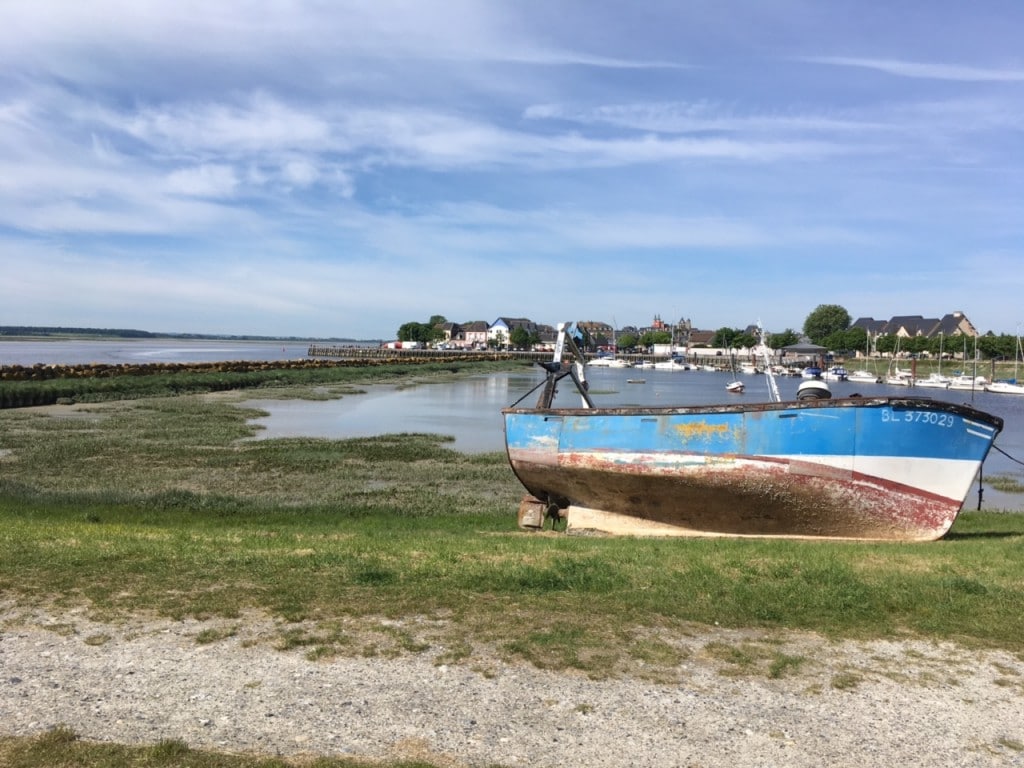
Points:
(908, 704)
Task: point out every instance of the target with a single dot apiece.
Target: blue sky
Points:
(314, 168)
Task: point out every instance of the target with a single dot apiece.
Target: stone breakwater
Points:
(47, 372)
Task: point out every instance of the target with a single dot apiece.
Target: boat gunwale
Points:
(964, 410)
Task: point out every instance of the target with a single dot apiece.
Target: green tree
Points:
(784, 339)
(845, 342)
(724, 337)
(744, 340)
(651, 338)
(825, 320)
(520, 337)
(626, 341)
(1002, 347)
(415, 332)
(886, 344)
(422, 332)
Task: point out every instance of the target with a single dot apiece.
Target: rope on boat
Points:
(1011, 458)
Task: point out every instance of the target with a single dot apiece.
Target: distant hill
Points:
(130, 333)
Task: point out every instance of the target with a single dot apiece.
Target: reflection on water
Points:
(467, 409)
(470, 410)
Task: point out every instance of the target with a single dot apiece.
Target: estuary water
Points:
(118, 351)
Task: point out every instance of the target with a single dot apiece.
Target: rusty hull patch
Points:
(745, 497)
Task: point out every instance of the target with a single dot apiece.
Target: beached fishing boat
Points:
(893, 468)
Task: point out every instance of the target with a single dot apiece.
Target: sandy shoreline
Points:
(912, 703)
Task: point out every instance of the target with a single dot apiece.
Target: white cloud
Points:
(208, 180)
(259, 124)
(925, 70)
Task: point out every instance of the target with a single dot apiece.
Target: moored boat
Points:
(966, 381)
(884, 468)
(865, 376)
(835, 373)
(933, 381)
(671, 365)
(1009, 386)
(1005, 388)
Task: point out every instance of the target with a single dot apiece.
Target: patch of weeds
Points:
(455, 654)
(584, 709)
(169, 749)
(406, 640)
(97, 639)
(754, 658)
(1005, 669)
(740, 658)
(322, 652)
(58, 736)
(295, 638)
(783, 664)
(565, 646)
(657, 652)
(846, 681)
(1011, 744)
(321, 645)
(1006, 483)
(62, 629)
(213, 634)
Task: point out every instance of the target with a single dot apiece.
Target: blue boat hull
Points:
(859, 468)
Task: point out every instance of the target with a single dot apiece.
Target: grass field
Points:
(399, 545)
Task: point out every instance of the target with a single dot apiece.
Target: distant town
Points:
(521, 332)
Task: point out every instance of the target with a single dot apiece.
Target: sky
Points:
(317, 168)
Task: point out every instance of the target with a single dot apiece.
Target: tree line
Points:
(827, 325)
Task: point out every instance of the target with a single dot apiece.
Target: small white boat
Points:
(835, 373)
(899, 378)
(866, 377)
(965, 381)
(1010, 386)
(1005, 388)
(933, 381)
(671, 365)
(735, 386)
